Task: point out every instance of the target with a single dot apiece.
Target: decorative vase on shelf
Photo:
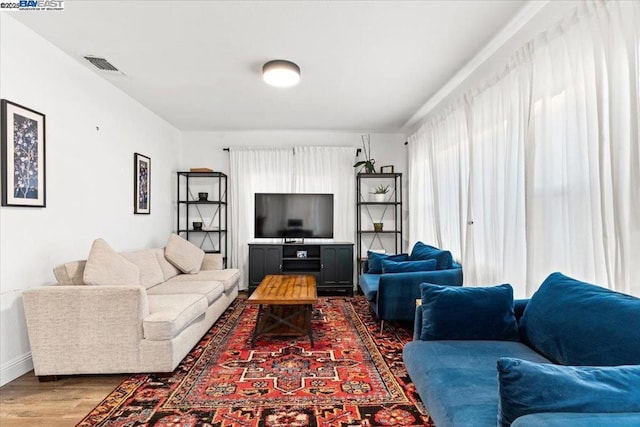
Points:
(379, 197)
(377, 226)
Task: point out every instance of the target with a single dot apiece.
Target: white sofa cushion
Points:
(150, 271)
(228, 277)
(210, 289)
(107, 267)
(168, 270)
(70, 274)
(184, 254)
(170, 314)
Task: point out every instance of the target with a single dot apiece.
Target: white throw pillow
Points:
(168, 270)
(107, 267)
(184, 254)
(147, 262)
(70, 274)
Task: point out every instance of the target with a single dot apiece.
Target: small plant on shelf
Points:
(381, 189)
(380, 193)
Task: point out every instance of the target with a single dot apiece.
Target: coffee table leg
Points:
(257, 327)
(307, 319)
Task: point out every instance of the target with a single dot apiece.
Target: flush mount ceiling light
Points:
(281, 73)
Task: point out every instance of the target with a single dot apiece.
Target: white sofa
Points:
(119, 326)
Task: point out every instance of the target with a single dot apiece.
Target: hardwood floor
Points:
(25, 402)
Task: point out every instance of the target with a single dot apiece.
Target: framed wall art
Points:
(141, 184)
(22, 156)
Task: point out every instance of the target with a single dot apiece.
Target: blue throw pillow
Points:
(570, 322)
(421, 251)
(408, 266)
(528, 388)
(458, 313)
(375, 260)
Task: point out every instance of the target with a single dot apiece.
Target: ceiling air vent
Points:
(101, 64)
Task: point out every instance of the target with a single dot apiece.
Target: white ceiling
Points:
(366, 65)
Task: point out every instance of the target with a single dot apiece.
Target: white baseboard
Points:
(15, 368)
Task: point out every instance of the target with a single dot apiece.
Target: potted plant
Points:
(380, 193)
(368, 163)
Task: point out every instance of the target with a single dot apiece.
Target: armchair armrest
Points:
(212, 262)
(82, 329)
(397, 292)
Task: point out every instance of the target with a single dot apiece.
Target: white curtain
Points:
(329, 170)
(634, 220)
(438, 182)
(579, 194)
(253, 170)
(498, 119)
(285, 170)
(553, 161)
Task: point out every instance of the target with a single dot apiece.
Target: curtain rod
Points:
(358, 150)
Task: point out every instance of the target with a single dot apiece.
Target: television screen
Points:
(294, 215)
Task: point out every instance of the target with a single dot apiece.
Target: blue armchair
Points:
(392, 296)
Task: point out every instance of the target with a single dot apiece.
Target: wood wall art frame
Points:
(22, 156)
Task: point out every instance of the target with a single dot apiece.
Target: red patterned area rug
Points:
(353, 376)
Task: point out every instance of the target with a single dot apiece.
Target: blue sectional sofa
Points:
(392, 295)
(569, 356)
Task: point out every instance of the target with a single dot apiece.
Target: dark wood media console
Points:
(330, 263)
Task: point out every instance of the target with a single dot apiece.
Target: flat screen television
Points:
(293, 215)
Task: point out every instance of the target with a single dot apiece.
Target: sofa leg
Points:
(47, 378)
(381, 326)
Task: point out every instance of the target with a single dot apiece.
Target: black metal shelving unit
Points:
(212, 212)
(368, 212)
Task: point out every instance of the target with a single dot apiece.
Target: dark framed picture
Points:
(386, 169)
(141, 184)
(22, 156)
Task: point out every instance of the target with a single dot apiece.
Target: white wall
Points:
(89, 176)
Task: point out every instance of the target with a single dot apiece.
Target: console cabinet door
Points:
(337, 266)
(263, 260)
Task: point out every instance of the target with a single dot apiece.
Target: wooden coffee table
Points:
(285, 304)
